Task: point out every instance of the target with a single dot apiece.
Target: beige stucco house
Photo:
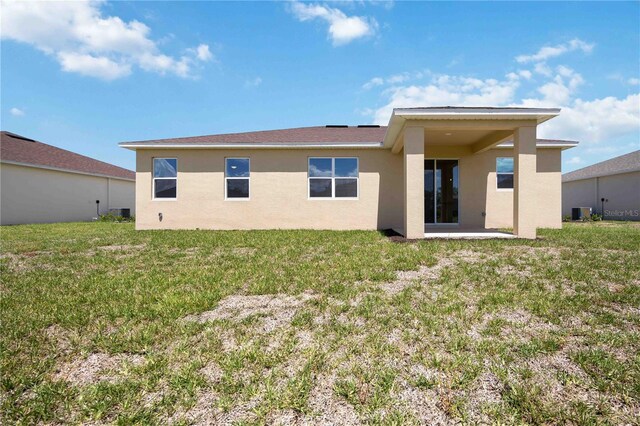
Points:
(41, 183)
(610, 188)
(454, 168)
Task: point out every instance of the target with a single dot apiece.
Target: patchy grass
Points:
(101, 323)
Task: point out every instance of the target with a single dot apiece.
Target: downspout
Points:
(108, 194)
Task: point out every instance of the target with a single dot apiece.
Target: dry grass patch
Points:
(97, 367)
(274, 310)
(515, 324)
(424, 274)
(122, 247)
(28, 261)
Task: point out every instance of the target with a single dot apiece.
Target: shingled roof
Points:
(329, 135)
(309, 135)
(623, 164)
(19, 149)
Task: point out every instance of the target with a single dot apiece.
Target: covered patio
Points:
(449, 137)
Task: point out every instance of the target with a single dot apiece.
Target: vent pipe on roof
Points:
(16, 136)
(372, 126)
(336, 126)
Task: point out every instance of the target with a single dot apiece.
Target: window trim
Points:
(153, 184)
(247, 178)
(504, 173)
(333, 178)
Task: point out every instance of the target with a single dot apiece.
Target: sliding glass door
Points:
(440, 191)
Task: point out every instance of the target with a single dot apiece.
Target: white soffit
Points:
(400, 115)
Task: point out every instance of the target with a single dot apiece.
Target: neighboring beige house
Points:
(40, 183)
(452, 168)
(610, 188)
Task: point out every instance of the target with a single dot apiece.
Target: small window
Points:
(165, 178)
(237, 171)
(333, 178)
(504, 172)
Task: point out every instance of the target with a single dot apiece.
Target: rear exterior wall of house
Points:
(279, 193)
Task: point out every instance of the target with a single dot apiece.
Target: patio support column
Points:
(414, 182)
(524, 182)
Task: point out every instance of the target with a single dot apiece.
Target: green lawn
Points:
(104, 324)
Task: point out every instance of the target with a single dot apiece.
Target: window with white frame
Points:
(165, 178)
(504, 172)
(333, 177)
(236, 178)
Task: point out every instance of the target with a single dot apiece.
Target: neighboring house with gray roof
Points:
(611, 188)
(41, 183)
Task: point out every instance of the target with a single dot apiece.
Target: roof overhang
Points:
(541, 143)
(456, 115)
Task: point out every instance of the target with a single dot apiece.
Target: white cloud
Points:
(203, 53)
(455, 61)
(574, 160)
(254, 82)
(449, 90)
(375, 81)
(16, 112)
(101, 67)
(526, 74)
(559, 90)
(399, 78)
(395, 79)
(634, 81)
(84, 41)
(548, 52)
(342, 29)
(542, 68)
(594, 122)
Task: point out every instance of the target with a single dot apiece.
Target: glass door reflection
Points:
(441, 191)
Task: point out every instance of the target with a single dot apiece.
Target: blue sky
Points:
(87, 75)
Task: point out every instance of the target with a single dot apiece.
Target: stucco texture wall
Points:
(622, 191)
(479, 193)
(36, 195)
(279, 191)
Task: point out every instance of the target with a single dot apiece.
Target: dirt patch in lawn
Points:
(123, 247)
(233, 251)
(423, 404)
(405, 279)
(518, 324)
(537, 251)
(97, 367)
(28, 261)
(207, 411)
(327, 408)
(273, 310)
(212, 372)
(487, 392)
